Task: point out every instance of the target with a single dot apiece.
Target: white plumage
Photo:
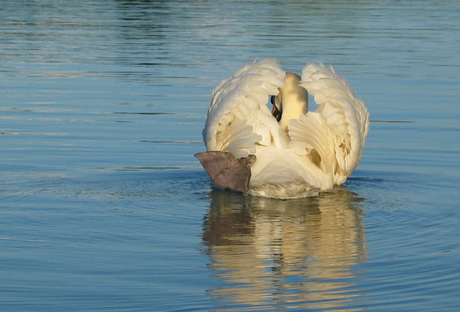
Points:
(315, 150)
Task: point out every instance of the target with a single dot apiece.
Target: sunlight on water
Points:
(104, 207)
(296, 254)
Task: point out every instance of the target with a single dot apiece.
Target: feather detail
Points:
(344, 116)
(238, 117)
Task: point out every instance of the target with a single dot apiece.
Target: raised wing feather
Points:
(337, 130)
(238, 116)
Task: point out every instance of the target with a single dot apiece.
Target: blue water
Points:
(104, 208)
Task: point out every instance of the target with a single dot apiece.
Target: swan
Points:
(287, 152)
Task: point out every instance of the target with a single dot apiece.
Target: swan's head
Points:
(291, 101)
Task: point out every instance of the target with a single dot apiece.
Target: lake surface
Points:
(104, 208)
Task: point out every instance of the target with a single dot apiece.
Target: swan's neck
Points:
(294, 100)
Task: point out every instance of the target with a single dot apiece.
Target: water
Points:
(104, 208)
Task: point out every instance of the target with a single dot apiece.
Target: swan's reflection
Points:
(295, 253)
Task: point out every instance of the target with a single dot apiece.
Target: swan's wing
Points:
(337, 130)
(238, 116)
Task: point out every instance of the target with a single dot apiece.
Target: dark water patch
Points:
(393, 121)
(178, 142)
(141, 113)
(146, 168)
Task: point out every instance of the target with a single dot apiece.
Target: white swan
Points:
(305, 152)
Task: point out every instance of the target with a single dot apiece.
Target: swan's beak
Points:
(276, 112)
